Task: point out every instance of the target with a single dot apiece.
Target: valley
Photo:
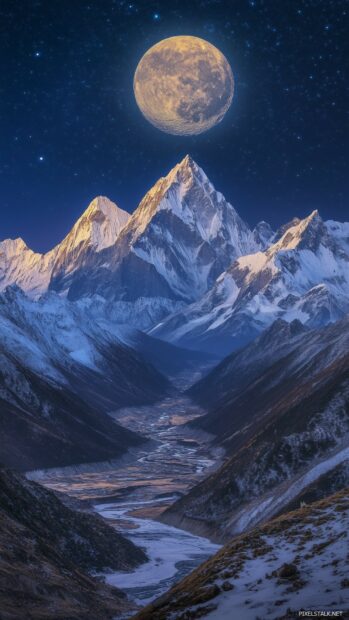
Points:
(132, 492)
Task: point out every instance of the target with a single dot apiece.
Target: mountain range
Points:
(303, 274)
(98, 321)
(186, 268)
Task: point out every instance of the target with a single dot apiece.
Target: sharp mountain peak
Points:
(293, 234)
(106, 206)
(187, 166)
(14, 245)
(99, 225)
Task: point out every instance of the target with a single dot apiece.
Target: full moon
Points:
(183, 85)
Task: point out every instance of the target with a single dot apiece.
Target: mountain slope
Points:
(237, 372)
(44, 425)
(97, 228)
(304, 274)
(285, 427)
(78, 346)
(45, 547)
(27, 269)
(298, 561)
(60, 372)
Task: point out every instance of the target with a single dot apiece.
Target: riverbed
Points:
(131, 493)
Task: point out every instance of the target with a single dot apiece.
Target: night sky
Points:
(70, 128)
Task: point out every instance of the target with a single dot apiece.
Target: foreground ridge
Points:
(297, 561)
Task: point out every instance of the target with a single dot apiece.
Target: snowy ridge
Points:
(180, 238)
(20, 265)
(187, 230)
(97, 228)
(298, 561)
(279, 407)
(185, 265)
(304, 274)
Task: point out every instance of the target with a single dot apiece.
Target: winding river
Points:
(133, 491)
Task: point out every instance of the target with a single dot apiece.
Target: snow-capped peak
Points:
(298, 232)
(20, 265)
(187, 230)
(185, 169)
(99, 226)
(187, 193)
(97, 229)
(167, 195)
(303, 275)
(13, 246)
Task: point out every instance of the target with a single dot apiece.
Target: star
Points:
(41, 158)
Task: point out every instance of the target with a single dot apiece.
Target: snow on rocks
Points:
(297, 561)
(303, 275)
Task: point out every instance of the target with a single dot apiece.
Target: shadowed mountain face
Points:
(45, 426)
(296, 561)
(303, 274)
(45, 549)
(237, 372)
(61, 372)
(284, 423)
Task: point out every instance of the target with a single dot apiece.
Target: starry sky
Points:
(70, 128)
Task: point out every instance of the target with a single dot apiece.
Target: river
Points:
(133, 491)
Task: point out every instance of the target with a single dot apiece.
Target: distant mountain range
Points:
(187, 267)
(97, 322)
(303, 274)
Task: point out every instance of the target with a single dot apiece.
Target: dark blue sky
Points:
(70, 128)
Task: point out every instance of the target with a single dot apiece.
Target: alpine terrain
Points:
(47, 551)
(186, 377)
(303, 274)
(297, 561)
(281, 409)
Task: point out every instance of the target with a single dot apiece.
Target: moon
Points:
(183, 85)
